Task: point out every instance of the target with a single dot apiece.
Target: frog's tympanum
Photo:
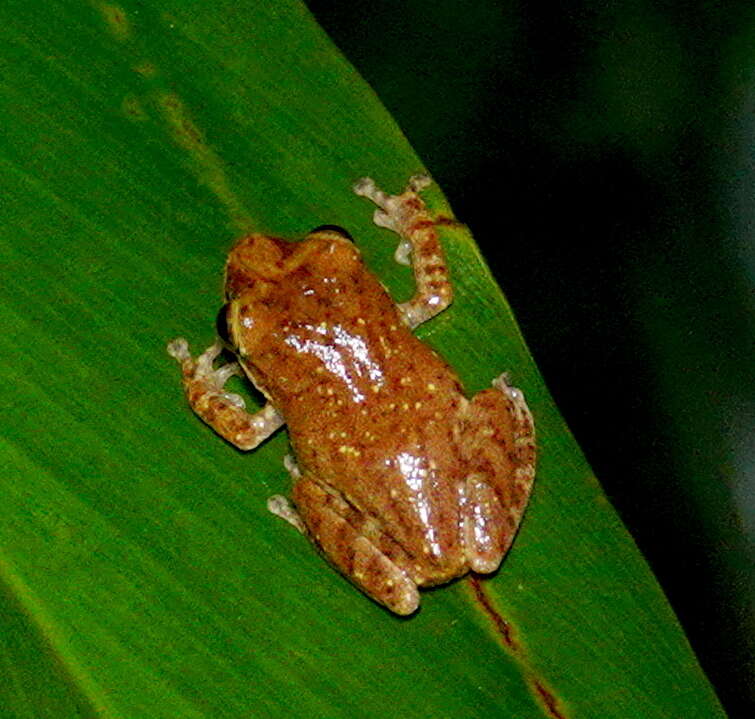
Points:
(399, 479)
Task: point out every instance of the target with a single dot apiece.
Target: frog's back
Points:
(378, 428)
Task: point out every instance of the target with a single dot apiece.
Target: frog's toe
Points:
(281, 507)
(179, 349)
(289, 462)
(366, 187)
(417, 183)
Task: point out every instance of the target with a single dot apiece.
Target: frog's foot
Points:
(354, 543)
(281, 507)
(289, 462)
(202, 368)
(397, 212)
(500, 454)
(407, 215)
(223, 411)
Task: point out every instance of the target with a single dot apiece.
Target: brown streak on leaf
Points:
(549, 700)
(502, 627)
(115, 19)
(206, 163)
(505, 631)
(146, 69)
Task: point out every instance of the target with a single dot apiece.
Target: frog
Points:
(400, 479)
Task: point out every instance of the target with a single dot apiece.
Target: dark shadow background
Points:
(602, 153)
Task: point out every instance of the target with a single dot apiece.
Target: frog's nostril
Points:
(335, 229)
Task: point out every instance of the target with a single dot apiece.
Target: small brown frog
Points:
(399, 478)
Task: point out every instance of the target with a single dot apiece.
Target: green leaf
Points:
(142, 575)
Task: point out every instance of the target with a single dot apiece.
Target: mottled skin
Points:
(400, 480)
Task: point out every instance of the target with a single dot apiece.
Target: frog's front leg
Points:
(223, 411)
(356, 545)
(498, 444)
(407, 215)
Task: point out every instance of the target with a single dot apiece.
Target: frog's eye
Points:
(221, 325)
(335, 229)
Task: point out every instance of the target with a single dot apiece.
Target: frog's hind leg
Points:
(354, 543)
(223, 411)
(407, 215)
(499, 450)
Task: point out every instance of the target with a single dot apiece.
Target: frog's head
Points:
(260, 266)
(258, 259)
